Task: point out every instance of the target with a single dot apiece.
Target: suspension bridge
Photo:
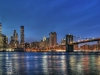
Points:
(72, 41)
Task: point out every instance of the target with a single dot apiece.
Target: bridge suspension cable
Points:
(82, 37)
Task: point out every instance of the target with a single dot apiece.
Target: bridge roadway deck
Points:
(84, 41)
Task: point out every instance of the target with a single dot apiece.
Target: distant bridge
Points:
(70, 41)
(88, 40)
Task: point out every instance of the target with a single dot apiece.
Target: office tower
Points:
(22, 36)
(15, 35)
(44, 43)
(63, 41)
(14, 40)
(5, 41)
(11, 38)
(52, 39)
(47, 42)
(0, 28)
(35, 44)
(27, 45)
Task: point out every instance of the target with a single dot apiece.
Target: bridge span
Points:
(70, 42)
(84, 41)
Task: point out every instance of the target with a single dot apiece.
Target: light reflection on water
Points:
(14, 63)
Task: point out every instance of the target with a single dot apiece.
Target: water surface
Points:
(21, 63)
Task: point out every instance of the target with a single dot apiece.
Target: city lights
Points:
(45, 45)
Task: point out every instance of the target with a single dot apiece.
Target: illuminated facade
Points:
(3, 39)
(27, 45)
(93, 47)
(63, 41)
(43, 44)
(47, 42)
(35, 45)
(76, 47)
(22, 36)
(14, 40)
(52, 39)
(5, 42)
(44, 38)
(15, 37)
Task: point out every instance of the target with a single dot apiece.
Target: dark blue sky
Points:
(40, 17)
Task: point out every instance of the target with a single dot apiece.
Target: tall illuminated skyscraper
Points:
(15, 35)
(14, 40)
(3, 39)
(22, 36)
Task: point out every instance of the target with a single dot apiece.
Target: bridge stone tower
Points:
(98, 42)
(69, 46)
(98, 45)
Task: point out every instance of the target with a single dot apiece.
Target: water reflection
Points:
(49, 64)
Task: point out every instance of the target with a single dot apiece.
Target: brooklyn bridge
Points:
(70, 43)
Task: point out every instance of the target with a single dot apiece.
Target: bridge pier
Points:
(69, 46)
(98, 44)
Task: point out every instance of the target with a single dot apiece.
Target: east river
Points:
(27, 63)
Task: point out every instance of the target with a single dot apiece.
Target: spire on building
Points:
(44, 38)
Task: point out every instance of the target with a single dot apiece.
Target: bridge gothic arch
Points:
(69, 46)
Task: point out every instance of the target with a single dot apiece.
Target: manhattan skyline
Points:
(80, 18)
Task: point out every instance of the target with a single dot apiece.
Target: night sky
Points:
(40, 17)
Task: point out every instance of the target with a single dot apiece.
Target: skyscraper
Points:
(3, 39)
(52, 39)
(15, 35)
(22, 36)
(14, 40)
